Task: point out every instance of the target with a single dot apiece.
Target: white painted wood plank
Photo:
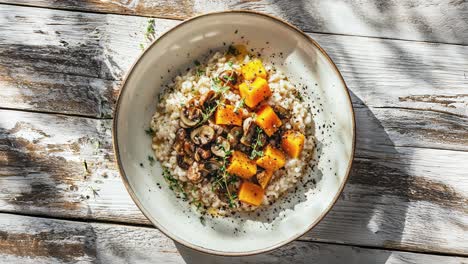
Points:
(37, 240)
(434, 20)
(44, 75)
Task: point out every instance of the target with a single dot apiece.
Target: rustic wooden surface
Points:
(406, 200)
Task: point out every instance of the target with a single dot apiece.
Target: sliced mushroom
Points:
(179, 147)
(181, 134)
(184, 162)
(190, 116)
(228, 77)
(208, 98)
(282, 112)
(194, 172)
(202, 135)
(202, 154)
(220, 147)
(234, 136)
(249, 132)
(212, 166)
(189, 147)
(217, 128)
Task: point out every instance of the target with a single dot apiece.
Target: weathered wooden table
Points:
(405, 62)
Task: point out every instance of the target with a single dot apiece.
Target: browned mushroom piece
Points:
(194, 172)
(220, 147)
(234, 136)
(228, 77)
(202, 154)
(202, 135)
(181, 134)
(282, 112)
(249, 132)
(189, 147)
(212, 166)
(190, 116)
(184, 161)
(217, 128)
(179, 147)
(208, 99)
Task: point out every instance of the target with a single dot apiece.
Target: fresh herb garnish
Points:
(218, 87)
(258, 144)
(209, 112)
(149, 131)
(298, 95)
(150, 29)
(239, 105)
(142, 47)
(151, 160)
(224, 179)
(174, 184)
(200, 72)
(230, 64)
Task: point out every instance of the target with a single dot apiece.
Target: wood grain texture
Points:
(394, 191)
(44, 74)
(37, 240)
(437, 21)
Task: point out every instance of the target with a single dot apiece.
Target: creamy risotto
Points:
(232, 133)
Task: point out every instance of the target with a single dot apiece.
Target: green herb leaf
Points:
(151, 160)
(257, 144)
(149, 131)
(230, 64)
(239, 105)
(200, 72)
(150, 29)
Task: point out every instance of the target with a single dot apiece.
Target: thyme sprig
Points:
(174, 184)
(224, 179)
(257, 145)
(239, 105)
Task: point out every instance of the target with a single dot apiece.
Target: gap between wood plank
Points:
(82, 220)
(182, 19)
(55, 113)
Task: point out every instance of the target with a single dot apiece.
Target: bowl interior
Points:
(304, 63)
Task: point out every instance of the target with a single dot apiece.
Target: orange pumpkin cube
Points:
(225, 115)
(292, 142)
(272, 159)
(241, 165)
(267, 120)
(255, 92)
(253, 69)
(264, 178)
(251, 193)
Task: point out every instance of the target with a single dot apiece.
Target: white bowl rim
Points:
(137, 201)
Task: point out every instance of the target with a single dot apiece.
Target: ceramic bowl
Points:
(305, 63)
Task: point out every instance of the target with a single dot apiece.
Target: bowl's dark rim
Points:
(140, 206)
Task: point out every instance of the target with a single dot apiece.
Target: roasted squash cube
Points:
(251, 193)
(253, 69)
(241, 165)
(255, 92)
(272, 159)
(264, 178)
(292, 142)
(225, 115)
(267, 120)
